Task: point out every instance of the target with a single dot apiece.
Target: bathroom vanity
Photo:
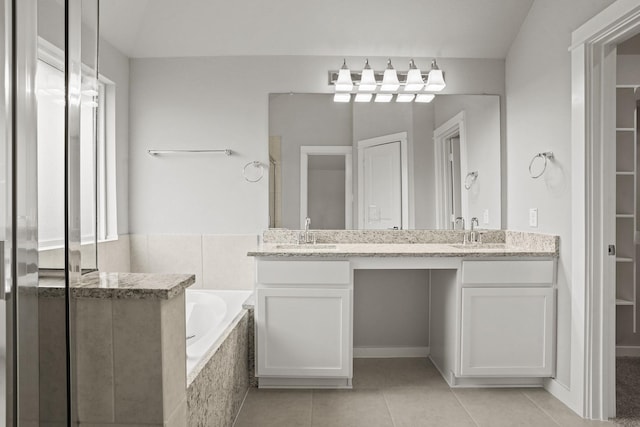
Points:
(492, 317)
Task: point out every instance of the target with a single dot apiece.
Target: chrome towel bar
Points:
(226, 151)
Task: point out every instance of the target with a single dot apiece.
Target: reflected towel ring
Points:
(255, 164)
(547, 155)
(470, 179)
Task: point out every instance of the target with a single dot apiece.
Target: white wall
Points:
(222, 102)
(538, 100)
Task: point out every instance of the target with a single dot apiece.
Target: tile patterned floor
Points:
(405, 393)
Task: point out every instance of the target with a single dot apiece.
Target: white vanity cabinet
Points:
(303, 323)
(507, 318)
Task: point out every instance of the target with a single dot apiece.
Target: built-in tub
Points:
(210, 316)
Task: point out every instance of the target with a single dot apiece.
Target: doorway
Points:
(594, 263)
(383, 183)
(326, 187)
(450, 154)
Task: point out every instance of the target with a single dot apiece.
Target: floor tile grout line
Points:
(464, 407)
(244, 399)
(384, 397)
(313, 393)
(540, 408)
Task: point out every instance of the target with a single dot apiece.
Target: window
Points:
(97, 155)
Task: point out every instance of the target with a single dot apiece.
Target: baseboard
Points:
(627, 351)
(305, 383)
(387, 352)
(563, 394)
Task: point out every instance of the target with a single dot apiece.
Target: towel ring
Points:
(547, 155)
(470, 179)
(255, 164)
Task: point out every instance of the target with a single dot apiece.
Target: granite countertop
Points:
(408, 243)
(120, 286)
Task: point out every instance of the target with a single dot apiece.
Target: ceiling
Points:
(441, 28)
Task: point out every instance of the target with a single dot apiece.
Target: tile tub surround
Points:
(216, 393)
(130, 346)
(120, 286)
(218, 261)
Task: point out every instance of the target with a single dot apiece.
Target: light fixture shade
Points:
(390, 82)
(383, 97)
(368, 79)
(435, 79)
(341, 97)
(363, 97)
(405, 97)
(344, 82)
(414, 79)
(425, 97)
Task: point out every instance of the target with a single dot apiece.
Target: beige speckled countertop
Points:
(119, 286)
(408, 243)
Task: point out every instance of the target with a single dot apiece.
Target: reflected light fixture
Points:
(425, 97)
(414, 78)
(344, 82)
(405, 97)
(341, 97)
(390, 82)
(368, 80)
(363, 97)
(383, 97)
(435, 80)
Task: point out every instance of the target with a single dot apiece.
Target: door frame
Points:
(455, 125)
(593, 68)
(327, 150)
(406, 218)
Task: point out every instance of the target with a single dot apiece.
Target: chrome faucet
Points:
(306, 236)
(473, 234)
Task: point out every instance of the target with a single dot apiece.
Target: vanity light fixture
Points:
(368, 80)
(344, 82)
(435, 80)
(414, 78)
(363, 97)
(383, 97)
(390, 82)
(425, 97)
(405, 97)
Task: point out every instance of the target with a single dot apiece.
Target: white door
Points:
(382, 186)
(507, 332)
(303, 333)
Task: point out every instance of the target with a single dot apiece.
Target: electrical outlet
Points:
(533, 217)
(485, 216)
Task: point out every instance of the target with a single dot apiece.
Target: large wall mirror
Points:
(384, 165)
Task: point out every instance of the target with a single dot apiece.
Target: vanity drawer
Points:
(507, 272)
(303, 272)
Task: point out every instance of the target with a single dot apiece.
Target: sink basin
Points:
(307, 246)
(480, 246)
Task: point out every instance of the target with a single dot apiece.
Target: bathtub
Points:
(210, 316)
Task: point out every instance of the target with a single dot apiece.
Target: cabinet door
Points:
(303, 332)
(507, 332)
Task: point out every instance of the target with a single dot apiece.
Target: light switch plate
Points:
(533, 217)
(485, 216)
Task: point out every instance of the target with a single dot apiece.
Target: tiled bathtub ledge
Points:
(119, 286)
